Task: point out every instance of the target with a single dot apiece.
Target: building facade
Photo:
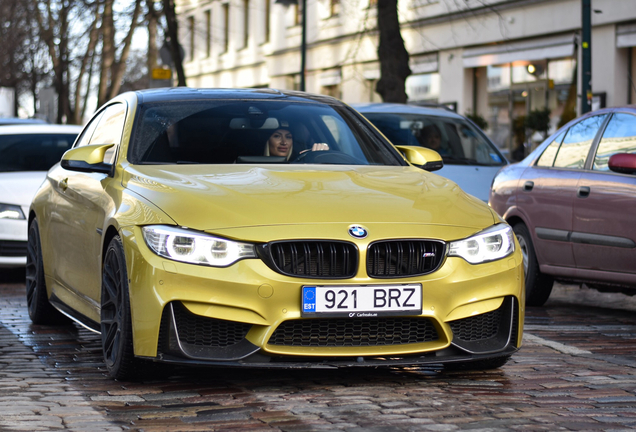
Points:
(500, 59)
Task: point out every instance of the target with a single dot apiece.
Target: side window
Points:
(87, 133)
(110, 129)
(619, 137)
(547, 158)
(577, 142)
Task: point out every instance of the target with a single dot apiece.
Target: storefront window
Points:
(423, 87)
(533, 86)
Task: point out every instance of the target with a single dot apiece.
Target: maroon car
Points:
(572, 205)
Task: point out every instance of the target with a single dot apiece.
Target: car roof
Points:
(40, 129)
(395, 108)
(16, 121)
(187, 93)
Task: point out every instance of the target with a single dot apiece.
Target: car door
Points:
(604, 225)
(548, 189)
(81, 205)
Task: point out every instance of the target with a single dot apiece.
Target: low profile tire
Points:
(486, 364)
(40, 310)
(538, 285)
(116, 323)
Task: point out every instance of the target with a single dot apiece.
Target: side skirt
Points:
(79, 318)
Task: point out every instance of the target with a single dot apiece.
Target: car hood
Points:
(211, 198)
(19, 187)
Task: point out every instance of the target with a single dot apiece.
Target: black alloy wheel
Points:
(116, 323)
(538, 285)
(40, 310)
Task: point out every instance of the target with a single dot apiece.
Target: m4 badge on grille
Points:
(428, 255)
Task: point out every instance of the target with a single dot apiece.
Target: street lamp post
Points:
(586, 56)
(303, 42)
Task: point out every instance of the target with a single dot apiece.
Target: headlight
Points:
(8, 211)
(491, 244)
(195, 248)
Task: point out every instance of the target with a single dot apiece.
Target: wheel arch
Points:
(110, 233)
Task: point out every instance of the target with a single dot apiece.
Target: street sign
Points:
(161, 74)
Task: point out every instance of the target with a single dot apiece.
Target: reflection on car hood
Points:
(217, 197)
(18, 188)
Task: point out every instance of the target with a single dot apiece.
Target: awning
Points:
(626, 36)
(528, 50)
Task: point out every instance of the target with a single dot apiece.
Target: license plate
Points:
(362, 301)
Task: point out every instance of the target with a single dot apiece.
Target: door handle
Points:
(64, 184)
(584, 192)
(528, 186)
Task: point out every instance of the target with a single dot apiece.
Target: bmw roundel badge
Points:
(356, 231)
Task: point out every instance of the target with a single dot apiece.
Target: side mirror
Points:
(422, 157)
(88, 158)
(624, 163)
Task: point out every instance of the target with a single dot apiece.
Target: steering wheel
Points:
(326, 157)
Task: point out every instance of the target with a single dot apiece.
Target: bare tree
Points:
(54, 19)
(393, 56)
(18, 57)
(173, 32)
(113, 65)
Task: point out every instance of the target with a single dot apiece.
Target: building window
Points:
(191, 34)
(246, 22)
(267, 20)
(226, 26)
(334, 7)
(298, 13)
(208, 33)
(332, 90)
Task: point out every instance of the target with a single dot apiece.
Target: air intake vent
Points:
(478, 327)
(344, 332)
(312, 259)
(392, 258)
(207, 332)
(10, 248)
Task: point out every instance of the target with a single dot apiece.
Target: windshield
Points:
(255, 132)
(33, 152)
(456, 140)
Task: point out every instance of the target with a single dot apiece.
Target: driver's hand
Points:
(319, 147)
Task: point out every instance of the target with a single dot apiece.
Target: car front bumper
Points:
(248, 314)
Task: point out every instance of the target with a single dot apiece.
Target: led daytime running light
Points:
(491, 244)
(195, 248)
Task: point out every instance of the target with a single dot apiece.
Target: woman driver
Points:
(281, 141)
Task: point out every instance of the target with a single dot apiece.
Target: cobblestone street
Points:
(576, 371)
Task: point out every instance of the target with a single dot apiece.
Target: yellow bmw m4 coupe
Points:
(263, 228)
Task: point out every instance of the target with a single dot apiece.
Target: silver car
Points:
(470, 159)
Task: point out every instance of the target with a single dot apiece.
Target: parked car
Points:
(26, 154)
(470, 159)
(177, 229)
(572, 205)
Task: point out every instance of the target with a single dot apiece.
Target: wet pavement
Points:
(576, 371)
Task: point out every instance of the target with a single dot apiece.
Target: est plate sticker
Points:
(362, 301)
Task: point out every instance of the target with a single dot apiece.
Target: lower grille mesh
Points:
(342, 332)
(209, 332)
(478, 327)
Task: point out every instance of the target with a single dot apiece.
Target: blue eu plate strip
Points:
(309, 299)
